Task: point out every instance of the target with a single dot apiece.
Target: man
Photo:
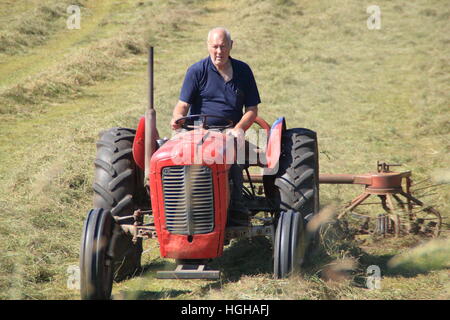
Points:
(220, 85)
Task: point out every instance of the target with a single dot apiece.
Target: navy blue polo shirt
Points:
(208, 93)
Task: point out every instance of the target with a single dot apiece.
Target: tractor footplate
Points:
(189, 272)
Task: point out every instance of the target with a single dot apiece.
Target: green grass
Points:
(370, 95)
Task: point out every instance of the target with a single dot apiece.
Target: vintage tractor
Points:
(178, 191)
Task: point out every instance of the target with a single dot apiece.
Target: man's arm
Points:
(180, 110)
(246, 121)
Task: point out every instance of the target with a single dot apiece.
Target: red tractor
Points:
(178, 191)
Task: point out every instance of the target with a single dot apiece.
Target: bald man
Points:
(223, 86)
(219, 85)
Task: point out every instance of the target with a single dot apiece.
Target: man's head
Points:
(219, 46)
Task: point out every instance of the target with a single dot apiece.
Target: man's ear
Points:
(231, 45)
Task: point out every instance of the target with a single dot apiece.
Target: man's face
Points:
(219, 49)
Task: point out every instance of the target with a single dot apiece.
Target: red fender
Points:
(139, 143)
(273, 150)
(263, 124)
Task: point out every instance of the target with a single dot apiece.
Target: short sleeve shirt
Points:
(208, 93)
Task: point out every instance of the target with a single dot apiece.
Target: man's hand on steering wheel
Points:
(175, 124)
(238, 133)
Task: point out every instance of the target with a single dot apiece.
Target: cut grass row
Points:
(33, 26)
(100, 62)
(106, 57)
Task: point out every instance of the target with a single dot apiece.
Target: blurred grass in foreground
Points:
(433, 255)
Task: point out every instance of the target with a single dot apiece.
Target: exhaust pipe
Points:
(150, 121)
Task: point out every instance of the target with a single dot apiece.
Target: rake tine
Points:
(424, 208)
(421, 181)
(422, 195)
(399, 201)
(370, 203)
(430, 186)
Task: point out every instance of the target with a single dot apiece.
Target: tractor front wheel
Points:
(96, 262)
(289, 244)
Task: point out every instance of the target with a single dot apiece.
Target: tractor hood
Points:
(200, 147)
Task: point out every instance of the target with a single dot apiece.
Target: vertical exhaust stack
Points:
(150, 120)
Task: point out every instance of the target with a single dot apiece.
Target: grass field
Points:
(370, 95)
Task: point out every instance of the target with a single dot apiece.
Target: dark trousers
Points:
(237, 204)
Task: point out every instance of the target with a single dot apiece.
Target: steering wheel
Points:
(196, 121)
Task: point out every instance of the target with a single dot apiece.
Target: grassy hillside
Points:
(370, 95)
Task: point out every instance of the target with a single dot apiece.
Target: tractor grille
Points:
(188, 199)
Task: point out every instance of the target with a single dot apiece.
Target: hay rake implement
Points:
(402, 212)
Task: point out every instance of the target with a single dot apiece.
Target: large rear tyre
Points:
(289, 244)
(96, 267)
(297, 180)
(118, 188)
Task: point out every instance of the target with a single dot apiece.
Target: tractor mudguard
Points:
(263, 124)
(139, 143)
(273, 150)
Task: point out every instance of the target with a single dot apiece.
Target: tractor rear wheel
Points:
(297, 179)
(118, 188)
(289, 244)
(96, 267)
